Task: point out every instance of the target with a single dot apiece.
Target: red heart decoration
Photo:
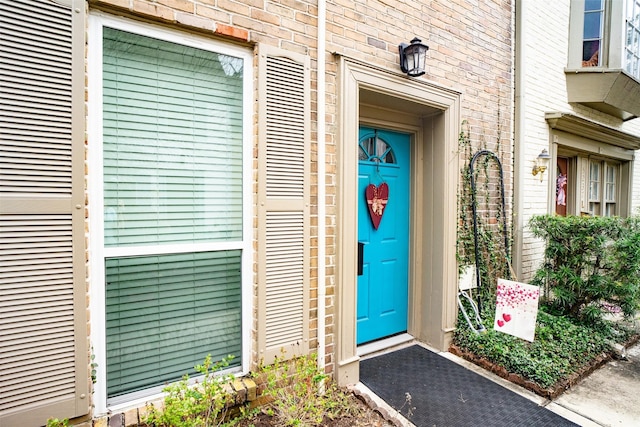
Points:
(377, 199)
(506, 317)
(500, 323)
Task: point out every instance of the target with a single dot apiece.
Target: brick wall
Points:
(470, 51)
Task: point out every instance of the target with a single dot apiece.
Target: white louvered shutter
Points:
(283, 198)
(43, 325)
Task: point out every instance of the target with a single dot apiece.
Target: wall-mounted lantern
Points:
(541, 163)
(413, 57)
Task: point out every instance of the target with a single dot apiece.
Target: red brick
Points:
(233, 32)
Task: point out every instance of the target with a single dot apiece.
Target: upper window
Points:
(171, 175)
(603, 68)
(172, 142)
(610, 34)
(593, 32)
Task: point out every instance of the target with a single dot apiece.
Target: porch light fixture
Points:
(541, 163)
(413, 57)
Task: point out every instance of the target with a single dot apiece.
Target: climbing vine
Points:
(493, 260)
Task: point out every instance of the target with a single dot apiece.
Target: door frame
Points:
(431, 113)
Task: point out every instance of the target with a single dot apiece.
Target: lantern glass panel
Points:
(416, 59)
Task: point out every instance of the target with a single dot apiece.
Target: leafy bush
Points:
(298, 394)
(202, 404)
(592, 264)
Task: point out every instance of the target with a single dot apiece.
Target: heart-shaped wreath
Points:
(377, 199)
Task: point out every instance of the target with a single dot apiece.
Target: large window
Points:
(173, 123)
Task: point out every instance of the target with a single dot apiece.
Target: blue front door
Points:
(383, 284)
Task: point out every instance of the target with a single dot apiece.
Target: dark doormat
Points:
(445, 394)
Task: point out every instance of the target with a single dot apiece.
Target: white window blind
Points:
(166, 313)
(172, 143)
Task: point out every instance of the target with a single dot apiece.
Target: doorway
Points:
(376, 98)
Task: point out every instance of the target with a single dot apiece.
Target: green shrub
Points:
(202, 404)
(592, 264)
(301, 394)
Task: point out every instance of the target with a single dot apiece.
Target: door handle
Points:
(360, 257)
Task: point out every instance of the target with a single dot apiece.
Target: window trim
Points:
(580, 157)
(96, 22)
(608, 165)
(604, 165)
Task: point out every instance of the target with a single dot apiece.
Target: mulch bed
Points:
(551, 392)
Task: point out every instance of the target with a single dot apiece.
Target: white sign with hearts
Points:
(516, 309)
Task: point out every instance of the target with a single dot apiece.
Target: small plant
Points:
(302, 395)
(194, 405)
(591, 264)
(407, 404)
(55, 422)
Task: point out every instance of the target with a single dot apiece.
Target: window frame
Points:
(601, 200)
(594, 197)
(612, 49)
(614, 168)
(601, 32)
(580, 161)
(97, 21)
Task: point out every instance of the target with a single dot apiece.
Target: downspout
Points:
(519, 135)
(321, 141)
